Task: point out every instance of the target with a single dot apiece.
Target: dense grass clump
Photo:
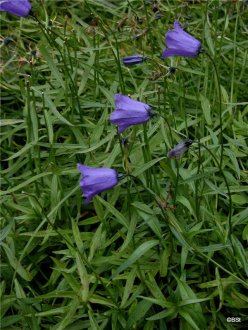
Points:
(166, 247)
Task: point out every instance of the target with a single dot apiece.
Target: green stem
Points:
(147, 154)
(53, 44)
(220, 109)
(229, 232)
(176, 184)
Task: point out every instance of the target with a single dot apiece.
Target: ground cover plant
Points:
(124, 164)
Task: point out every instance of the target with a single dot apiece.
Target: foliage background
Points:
(167, 247)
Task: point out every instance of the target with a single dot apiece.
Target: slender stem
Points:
(118, 62)
(228, 193)
(53, 44)
(147, 154)
(129, 201)
(220, 109)
(176, 184)
(148, 28)
(221, 267)
(197, 198)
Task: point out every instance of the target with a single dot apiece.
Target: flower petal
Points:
(18, 8)
(181, 43)
(129, 112)
(96, 180)
(124, 102)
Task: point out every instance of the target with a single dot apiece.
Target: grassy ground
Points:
(167, 247)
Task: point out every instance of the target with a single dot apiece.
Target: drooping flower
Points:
(179, 149)
(129, 112)
(96, 180)
(134, 59)
(16, 7)
(180, 43)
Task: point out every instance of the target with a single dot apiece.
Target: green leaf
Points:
(97, 145)
(96, 242)
(240, 199)
(49, 125)
(240, 254)
(84, 278)
(220, 288)
(53, 109)
(51, 63)
(189, 319)
(10, 122)
(69, 314)
(128, 287)
(87, 73)
(156, 290)
(234, 161)
(186, 202)
(206, 109)
(168, 313)
(6, 230)
(137, 254)
(138, 313)
(93, 322)
(96, 299)
(147, 214)
(114, 211)
(208, 38)
(16, 265)
(146, 166)
(21, 151)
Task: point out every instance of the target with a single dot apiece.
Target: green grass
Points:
(167, 247)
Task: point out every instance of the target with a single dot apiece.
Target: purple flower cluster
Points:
(128, 112)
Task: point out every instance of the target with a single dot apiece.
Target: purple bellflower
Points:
(179, 149)
(16, 7)
(129, 112)
(134, 59)
(180, 43)
(96, 180)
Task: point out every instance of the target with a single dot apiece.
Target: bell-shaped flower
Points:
(129, 112)
(180, 43)
(134, 59)
(179, 149)
(16, 7)
(96, 180)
